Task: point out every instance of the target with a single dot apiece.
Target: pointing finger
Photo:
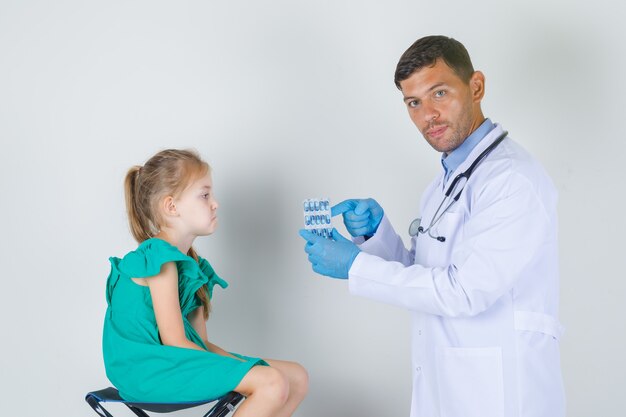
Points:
(342, 207)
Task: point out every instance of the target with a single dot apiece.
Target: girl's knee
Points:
(300, 380)
(275, 386)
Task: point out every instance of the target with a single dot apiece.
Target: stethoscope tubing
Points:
(415, 227)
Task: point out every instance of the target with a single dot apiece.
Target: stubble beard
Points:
(459, 134)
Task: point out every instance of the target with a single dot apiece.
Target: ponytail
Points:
(203, 292)
(139, 224)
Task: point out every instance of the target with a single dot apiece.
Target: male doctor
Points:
(481, 278)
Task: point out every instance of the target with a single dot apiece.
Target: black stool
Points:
(224, 405)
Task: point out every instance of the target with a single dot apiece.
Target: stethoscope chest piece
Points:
(414, 227)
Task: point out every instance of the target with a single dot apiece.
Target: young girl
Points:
(155, 339)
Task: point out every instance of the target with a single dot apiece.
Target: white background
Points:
(288, 100)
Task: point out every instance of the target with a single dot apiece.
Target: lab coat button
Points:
(418, 369)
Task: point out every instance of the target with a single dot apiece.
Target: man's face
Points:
(444, 108)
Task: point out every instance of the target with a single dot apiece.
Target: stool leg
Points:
(225, 406)
(138, 411)
(97, 407)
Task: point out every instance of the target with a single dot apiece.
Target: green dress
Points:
(136, 362)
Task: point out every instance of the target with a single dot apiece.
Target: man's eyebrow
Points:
(433, 87)
(436, 86)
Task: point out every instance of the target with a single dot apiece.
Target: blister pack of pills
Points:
(317, 216)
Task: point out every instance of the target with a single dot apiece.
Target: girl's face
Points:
(197, 207)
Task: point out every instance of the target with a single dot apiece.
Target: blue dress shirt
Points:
(452, 160)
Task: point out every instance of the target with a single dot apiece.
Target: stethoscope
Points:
(415, 227)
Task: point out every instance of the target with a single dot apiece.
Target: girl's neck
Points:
(182, 242)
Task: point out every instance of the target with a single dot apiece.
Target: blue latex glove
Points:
(361, 216)
(332, 258)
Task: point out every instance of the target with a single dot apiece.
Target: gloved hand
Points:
(332, 258)
(361, 216)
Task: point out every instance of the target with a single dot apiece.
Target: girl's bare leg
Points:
(266, 390)
(272, 391)
(298, 384)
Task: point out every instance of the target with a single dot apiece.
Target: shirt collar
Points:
(452, 160)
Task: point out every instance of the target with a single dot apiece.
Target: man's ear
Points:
(169, 206)
(477, 86)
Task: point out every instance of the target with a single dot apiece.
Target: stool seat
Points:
(224, 406)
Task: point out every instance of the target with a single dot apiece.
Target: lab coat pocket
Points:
(470, 382)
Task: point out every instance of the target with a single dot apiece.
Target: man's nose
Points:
(430, 112)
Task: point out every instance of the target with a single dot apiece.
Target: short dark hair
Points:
(425, 52)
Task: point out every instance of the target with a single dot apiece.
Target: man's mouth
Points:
(436, 131)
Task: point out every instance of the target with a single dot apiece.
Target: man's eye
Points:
(440, 93)
(413, 103)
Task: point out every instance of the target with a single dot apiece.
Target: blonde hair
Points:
(168, 173)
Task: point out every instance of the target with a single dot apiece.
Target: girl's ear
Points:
(169, 206)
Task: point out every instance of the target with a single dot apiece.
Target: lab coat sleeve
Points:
(506, 229)
(386, 244)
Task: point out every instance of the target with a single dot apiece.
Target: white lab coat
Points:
(485, 333)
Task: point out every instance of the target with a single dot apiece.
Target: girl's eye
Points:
(205, 196)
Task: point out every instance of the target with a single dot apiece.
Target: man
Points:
(481, 277)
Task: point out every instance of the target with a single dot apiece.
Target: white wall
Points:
(287, 100)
